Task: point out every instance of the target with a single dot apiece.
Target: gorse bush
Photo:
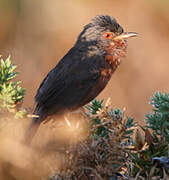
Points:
(158, 121)
(104, 154)
(112, 151)
(154, 150)
(11, 92)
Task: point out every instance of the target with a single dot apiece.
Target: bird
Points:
(83, 72)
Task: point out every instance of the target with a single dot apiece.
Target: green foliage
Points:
(11, 92)
(113, 145)
(155, 140)
(142, 158)
(100, 124)
(95, 106)
(158, 121)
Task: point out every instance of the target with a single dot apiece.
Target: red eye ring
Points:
(108, 35)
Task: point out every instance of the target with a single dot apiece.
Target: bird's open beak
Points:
(125, 35)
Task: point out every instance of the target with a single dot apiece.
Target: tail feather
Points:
(33, 127)
(31, 132)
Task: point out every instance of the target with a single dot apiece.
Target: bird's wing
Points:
(67, 85)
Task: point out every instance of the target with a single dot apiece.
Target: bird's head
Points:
(104, 36)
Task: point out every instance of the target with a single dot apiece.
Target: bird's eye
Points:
(108, 35)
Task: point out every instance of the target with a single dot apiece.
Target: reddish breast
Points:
(113, 56)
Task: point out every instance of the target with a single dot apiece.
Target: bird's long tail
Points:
(33, 127)
(31, 131)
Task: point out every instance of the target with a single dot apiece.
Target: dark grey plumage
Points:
(77, 78)
(56, 93)
(106, 23)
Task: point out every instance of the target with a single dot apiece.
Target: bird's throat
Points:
(115, 53)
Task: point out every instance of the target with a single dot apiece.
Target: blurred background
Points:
(38, 33)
